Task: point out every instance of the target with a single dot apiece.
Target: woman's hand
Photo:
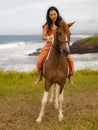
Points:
(49, 38)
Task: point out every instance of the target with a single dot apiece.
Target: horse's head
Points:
(62, 38)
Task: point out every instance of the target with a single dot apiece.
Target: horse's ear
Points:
(70, 24)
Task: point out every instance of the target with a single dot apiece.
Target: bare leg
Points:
(71, 68)
(60, 116)
(70, 80)
(57, 96)
(44, 101)
(39, 77)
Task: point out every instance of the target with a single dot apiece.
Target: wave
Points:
(82, 35)
(89, 60)
(11, 45)
(8, 43)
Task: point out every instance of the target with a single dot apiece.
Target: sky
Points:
(26, 17)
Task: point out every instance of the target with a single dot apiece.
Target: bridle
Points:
(58, 44)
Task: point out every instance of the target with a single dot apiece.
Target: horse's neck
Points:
(53, 52)
(54, 56)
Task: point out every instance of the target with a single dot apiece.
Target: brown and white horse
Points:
(55, 69)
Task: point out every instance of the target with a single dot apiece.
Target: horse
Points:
(55, 68)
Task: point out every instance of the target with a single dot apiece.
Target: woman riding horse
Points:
(53, 20)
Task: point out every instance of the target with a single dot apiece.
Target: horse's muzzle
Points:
(64, 52)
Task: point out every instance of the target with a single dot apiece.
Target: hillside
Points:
(86, 45)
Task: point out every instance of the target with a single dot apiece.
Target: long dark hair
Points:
(49, 21)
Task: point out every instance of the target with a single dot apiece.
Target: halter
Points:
(58, 44)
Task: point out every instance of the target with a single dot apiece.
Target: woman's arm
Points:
(45, 35)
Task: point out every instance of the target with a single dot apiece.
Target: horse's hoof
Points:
(50, 100)
(60, 118)
(38, 121)
(56, 106)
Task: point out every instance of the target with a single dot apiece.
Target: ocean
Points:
(14, 50)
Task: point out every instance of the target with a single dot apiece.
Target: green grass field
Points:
(20, 102)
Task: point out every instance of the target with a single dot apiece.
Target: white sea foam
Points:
(11, 45)
(14, 55)
(82, 35)
(85, 61)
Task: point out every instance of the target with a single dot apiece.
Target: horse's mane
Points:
(64, 25)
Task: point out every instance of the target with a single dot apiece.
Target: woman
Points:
(49, 28)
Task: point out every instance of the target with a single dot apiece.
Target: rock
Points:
(36, 53)
(39, 49)
(86, 45)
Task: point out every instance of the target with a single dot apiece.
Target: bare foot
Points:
(36, 82)
(39, 77)
(71, 82)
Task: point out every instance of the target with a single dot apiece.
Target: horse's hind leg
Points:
(57, 96)
(44, 101)
(52, 94)
(60, 116)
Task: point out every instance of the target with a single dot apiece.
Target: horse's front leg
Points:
(60, 116)
(44, 101)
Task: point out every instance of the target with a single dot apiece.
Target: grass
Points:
(90, 40)
(20, 102)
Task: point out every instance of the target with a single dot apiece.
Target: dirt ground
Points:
(19, 113)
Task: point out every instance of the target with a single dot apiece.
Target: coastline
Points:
(14, 54)
(81, 62)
